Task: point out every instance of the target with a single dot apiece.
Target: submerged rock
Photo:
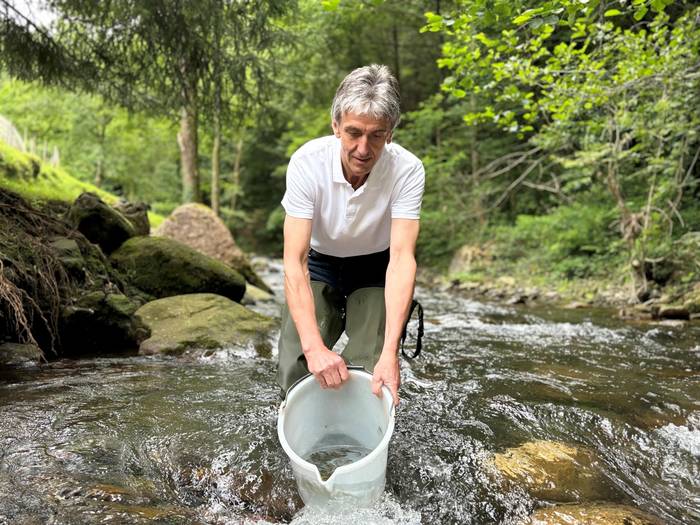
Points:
(102, 323)
(553, 471)
(99, 222)
(164, 267)
(202, 322)
(200, 228)
(592, 514)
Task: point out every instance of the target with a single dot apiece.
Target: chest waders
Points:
(348, 296)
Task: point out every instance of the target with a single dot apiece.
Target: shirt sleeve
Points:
(298, 200)
(407, 203)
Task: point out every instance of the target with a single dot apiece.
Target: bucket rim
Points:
(350, 467)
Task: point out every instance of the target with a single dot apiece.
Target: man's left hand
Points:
(386, 372)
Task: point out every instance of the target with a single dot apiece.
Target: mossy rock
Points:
(201, 322)
(197, 226)
(592, 514)
(553, 471)
(99, 222)
(101, 323)
(254, 295)
(162, 267)
(137, 214)
(19, 354)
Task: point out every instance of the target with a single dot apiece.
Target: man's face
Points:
(362, 140)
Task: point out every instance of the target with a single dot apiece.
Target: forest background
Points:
(560, 138)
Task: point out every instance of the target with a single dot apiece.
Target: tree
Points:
(600, 92)
(172, 57)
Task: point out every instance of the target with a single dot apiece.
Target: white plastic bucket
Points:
(310, 414)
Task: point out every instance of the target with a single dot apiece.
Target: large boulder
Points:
(163, 267)
(553, 471)
(101, 323)
(197, 322)
(200, 228)
(592, 514)
(99, 222)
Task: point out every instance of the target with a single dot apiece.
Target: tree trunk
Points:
(236, 173)
(187, 140)
(216, 166)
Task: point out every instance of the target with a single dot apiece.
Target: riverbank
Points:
(478, 274)
(85, 276)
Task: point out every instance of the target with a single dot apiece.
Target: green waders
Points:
(361, 315)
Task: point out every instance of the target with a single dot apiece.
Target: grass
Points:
(35, 181)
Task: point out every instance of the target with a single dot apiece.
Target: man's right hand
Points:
(327, 367)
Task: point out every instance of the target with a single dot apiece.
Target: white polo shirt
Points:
(347, 222)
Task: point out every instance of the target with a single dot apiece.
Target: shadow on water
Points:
(158, 440)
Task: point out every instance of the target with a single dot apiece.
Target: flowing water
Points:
(161, 440)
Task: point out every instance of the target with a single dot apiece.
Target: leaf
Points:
(639, 13)
(612, 12)
(526, 16)
(330, 5)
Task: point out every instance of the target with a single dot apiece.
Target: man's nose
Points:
(363, 145)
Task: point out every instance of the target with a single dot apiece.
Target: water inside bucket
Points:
(333, 451)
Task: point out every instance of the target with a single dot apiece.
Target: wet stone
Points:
(592, 514)
(674, 312)
(553, 471)
(19, 354)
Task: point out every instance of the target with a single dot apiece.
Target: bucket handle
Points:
(419, 335)
(349, 367)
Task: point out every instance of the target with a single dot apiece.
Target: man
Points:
(352, 216)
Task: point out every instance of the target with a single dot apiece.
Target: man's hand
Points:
(327, 367)
(386, 372)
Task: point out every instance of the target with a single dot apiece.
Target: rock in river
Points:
(553, 471)
(202, 322)
(163, 268)
(101, 322)
(19, 354)
(592, 514)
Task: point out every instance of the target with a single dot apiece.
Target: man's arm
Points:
(327, 366)
(398, 294)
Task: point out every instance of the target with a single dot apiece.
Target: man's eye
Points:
(378, 135)
(355, 134)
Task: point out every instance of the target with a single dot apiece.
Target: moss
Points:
(25, 175)
(201, 322)
(163, 267)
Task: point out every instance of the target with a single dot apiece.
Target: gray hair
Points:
(369, 90)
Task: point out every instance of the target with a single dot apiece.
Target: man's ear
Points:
(389, 136)
(336, 128)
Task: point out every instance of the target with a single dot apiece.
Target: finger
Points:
(321, 381)
(377, 387)
(344, 374)
(334, 381)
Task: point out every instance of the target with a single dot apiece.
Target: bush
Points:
(572, 241)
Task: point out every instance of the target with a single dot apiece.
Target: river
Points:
(137, 440)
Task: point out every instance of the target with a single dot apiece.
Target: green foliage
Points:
(26, 175)
(572, 241)
(135, 154)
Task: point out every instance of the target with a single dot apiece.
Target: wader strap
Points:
(419, 336)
